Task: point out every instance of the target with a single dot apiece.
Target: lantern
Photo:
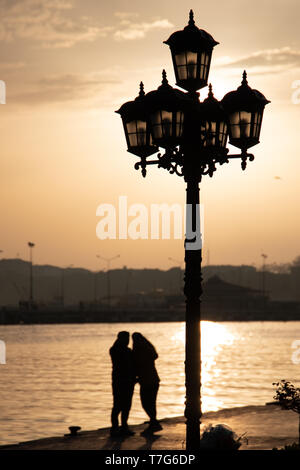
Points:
(166, 107)
(191, 51)
(244, 108)
(213, 127)
(136, 127)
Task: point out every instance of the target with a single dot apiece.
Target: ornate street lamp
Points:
(245, 108)
(136, 127)
(165, 107)
(191, 51)
(194, 136)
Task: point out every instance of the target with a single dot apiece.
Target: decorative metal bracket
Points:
(173, 161)
(244, 156)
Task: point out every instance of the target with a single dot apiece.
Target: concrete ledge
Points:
(265, 427)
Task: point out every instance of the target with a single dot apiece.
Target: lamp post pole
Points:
(192, 291)
(194, 136)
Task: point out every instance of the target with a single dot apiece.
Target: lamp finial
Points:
(164, 76)
(142, 91)
(244, 82)
(191, 20)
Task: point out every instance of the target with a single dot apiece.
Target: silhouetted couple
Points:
(130, 366)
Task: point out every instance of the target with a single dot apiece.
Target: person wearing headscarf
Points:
(144, 355)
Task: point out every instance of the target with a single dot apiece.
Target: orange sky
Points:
(68, 65)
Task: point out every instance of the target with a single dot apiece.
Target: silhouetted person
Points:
(145, 355)
(123, 380)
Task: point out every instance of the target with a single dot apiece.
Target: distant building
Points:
(295, 271)
(228, 300)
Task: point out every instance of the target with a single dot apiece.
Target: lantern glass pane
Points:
(235, 132)
(208, 131)
(161, 124)
(182, 73)
(141, 133)
(180, 59)
(245, 116)
(137, 133)
(181, 66)
(234, 118)
(186, 63)
(240, 124)
(222, 134)
(245, 121)
(156, 125)
(202, 65)
(191, 64)
(179, 123)
(206, 67)
(166, 122)
(256, 124)
(204, 58)
(132, 133)
(131, 127)
(132, 140)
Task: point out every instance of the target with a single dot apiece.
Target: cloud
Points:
(7, 66)
(139, 30)
(54, 24)
(48, 22)
(125, 15)
(267, 61)
(63, 88)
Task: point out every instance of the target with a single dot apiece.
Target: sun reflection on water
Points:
(214, 338)
(58, 375)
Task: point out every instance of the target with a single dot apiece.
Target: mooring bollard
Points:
(73, 431)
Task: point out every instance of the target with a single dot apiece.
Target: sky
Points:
(68, 65)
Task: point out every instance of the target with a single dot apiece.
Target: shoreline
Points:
(216, 320)
(264, 427)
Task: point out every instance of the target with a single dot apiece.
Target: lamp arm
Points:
(242, 155)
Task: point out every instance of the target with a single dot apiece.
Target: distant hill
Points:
(79, 284)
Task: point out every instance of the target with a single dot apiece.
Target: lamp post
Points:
(264, 257)
(193, 137)
(180, 269)
(62, 293)
(31, 245)
(108, 261)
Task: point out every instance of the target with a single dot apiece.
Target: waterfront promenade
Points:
(263, 427)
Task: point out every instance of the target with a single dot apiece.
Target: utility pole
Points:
(62, 294)
(108, 261)
(264, 257)
(180, 273)
(31, 245)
